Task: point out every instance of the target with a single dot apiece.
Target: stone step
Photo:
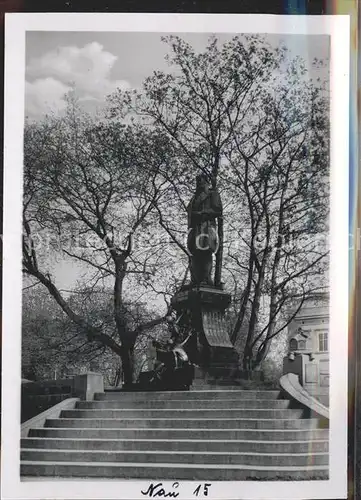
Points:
(225, 433)
(184, 423)
(209, 385)
(221, 363)
(226, 372)
(310, 447)
(180, 413)
(184, 457)
(195, 404)
(193, 394)
(189, 433)
(221, 381)
(172, 471)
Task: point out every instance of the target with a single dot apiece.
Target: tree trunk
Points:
(118, 376)
(248, 350)
(247, 358)
(127, 365)
(263, 350)
(245, 298)
(127, 343)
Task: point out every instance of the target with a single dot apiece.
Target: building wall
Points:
(311, 358)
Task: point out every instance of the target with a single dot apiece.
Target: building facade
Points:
(308, 347)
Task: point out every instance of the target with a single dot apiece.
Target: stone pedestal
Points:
(86, 385)
(204, 308)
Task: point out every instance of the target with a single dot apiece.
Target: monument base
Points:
(212, 349)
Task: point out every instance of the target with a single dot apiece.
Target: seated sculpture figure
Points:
(204, 209)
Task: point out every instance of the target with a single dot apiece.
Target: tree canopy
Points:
(256, 121)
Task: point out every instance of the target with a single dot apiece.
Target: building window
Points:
(323, 342)
(293, 344)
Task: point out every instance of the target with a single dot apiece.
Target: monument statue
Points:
(200, 305)
(204, 209)
(199, 335)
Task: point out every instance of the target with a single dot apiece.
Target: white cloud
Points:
(44, 95)
(86, 69)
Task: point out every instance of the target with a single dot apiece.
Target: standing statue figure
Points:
(204, 209)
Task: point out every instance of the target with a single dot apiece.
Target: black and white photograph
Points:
(175, 205)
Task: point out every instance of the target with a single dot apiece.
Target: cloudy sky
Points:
(96, 63)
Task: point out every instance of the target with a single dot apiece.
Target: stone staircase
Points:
(225, 434)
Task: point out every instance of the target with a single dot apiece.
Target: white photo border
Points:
(16, 25)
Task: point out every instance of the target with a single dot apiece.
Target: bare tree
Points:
(52, 346)
(280, 170)
(256, 121)
(201, 104)
(247, 114)
(89, 189)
